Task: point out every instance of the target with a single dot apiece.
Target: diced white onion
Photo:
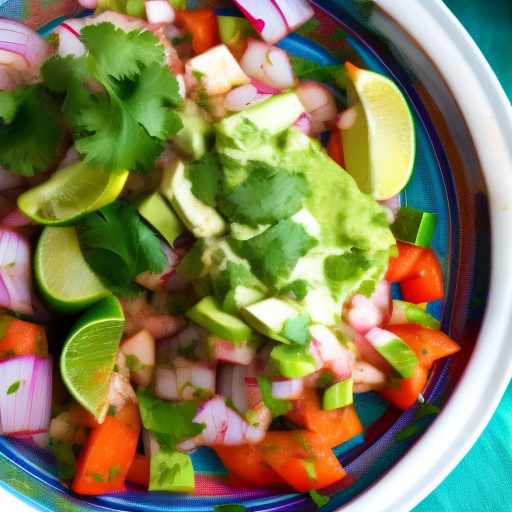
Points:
(159, 11)
(288, 389)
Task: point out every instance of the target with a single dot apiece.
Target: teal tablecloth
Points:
(483, 480)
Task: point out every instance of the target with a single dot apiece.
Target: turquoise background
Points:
(483, 479)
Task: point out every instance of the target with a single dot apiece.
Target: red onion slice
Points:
(273, 19)
(15, 276)
(26, 392)
(69, 37)
(288, 389)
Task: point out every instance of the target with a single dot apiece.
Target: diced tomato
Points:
(429, 285)
(21, 338)
(130, 415)
(79, 415)
(302, 459)
(404, 392)
(139, 470)
(428, 344)
(418, 271)
(202, 24)
(335, 146)
(246, 466)
(404, 266)
(104, 461)
(334, 426)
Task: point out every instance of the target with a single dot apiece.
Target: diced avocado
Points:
(242, 296)
(230, 27)
(401, 357)
(414, 226)
(292, 361)
(271, 317)
(161, 216)
(196, 136)
(171, 471)
(404, 312)
(339, 395)
(202, 220)
(192, 265)
(273, 116)
(208, 314)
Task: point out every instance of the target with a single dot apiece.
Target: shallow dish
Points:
(463, 172)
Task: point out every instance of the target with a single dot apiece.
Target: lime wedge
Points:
(89, 353)
(70, 193)
(378, 134)
(61, 273)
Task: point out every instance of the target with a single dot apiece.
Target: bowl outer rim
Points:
(488, 114)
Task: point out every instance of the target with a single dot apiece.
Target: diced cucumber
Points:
(339, 395)
(414, 226)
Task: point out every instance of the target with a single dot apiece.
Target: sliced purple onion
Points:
(15, 273)
(25, 394)
(273, 19)
(9, 180)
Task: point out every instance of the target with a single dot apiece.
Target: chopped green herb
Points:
(297, 329)
(118, 246)
(319, 499)
(113, 471)
(276, 406)
(14, 387)
(98, 477)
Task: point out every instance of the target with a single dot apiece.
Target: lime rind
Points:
(62, 276)
(71, 193)
(89, 353)
(379, 141)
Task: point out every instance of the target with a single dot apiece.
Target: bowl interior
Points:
(447, 180)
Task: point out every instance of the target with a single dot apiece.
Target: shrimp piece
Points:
(364, 313)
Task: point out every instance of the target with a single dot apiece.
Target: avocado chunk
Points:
(155, 209)
(279, 320)
(292, 361)
(171, 471)
(271, 116)
(196, 136)
(414, 226)
(202, 220)
(208, 314)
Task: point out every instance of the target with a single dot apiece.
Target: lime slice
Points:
(70, 193)
(89, 353)
(62, 275)
(378, 134)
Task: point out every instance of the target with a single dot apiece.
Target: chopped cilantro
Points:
(297, 329)
(205, 175)
(118, 246)
(332, 74)
(298, 289)
(274, 253)
(65, 458)
(319, 499)
(98, 477)
(155, 415)
(14, 387)
(341, 267)
(29, 134)
(125, 118)
(113, 471)
(268, 194)
(276, 406)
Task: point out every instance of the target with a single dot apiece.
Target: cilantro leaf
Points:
(205, 175)
(268, 194)
(29, 134)
(156, 415)
(118, 246)
(297, 329)
(333, 74)
(276, 406)
(119, 97)
(341, 267)
(274, 253)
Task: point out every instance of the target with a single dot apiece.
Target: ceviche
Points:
(199, 237)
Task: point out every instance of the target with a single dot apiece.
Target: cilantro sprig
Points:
(118, 246)
(117, 101)
(119, 97)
